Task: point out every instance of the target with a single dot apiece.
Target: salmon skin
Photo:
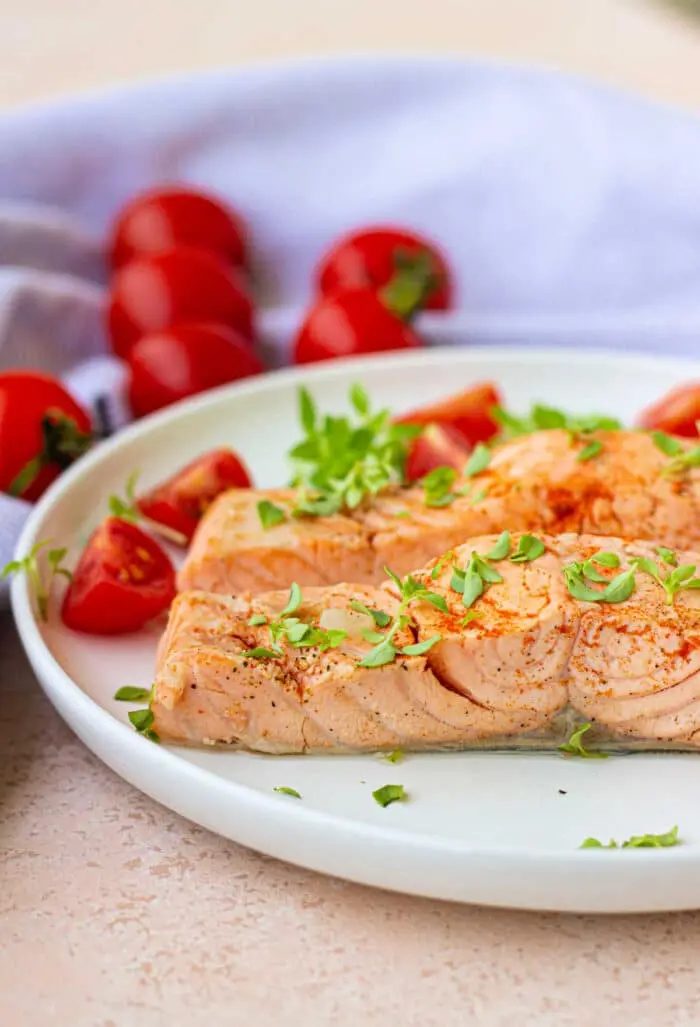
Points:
(515, 668)
(536, 483)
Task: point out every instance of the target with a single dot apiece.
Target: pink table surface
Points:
(115, 912)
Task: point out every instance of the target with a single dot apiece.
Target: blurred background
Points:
(50, 46)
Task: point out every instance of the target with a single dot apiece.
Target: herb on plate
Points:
(396, 756)
(269, 514)
(438, 487)
(472, 581)
(30, 565)
(130, 693)
(674, 581)
(638, 841)
(342, 460)
(285, 790)
(127, 509)
(388, 794)
(575, 746)
(529, 548)
(296, 632)
(617, 589)
(544, 418)
(384, 651)
(478, 461)
(681, 459)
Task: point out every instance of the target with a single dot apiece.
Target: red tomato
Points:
(468, 412)
(349, 324)
(165, 218)
(437, 446)
(42, 431)
(676, 413)
(123, 580)
(179, 287)
(180, 501)
(184, 360)
(370, 257)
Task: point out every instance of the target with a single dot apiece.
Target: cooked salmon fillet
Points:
(528, 652)
(533, 483)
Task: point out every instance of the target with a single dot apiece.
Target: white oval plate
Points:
(497, 829)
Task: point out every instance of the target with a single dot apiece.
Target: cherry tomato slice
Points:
(349, 324)
(164, 218)
(123, 580)
(369, 258)
(182, 286)
(184, 360)
(676, 413)
(437, 446)
(468, 412)
(181, 501)
(42, 431)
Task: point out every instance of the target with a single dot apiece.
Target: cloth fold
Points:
(570, 213)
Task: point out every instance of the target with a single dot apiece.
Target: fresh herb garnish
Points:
(575, 746)
(470, 616)
(501, 549)
(438, 487)
(341, 460)
(384, 651)
(142, 721)
(673, 581)
(668, 445)
(388, 794)
(606, 559)
(380, 617)
(257, 620)
(591, 450)
(269, 514)
(296, 632)
(667, 555)
(130, 693)
(544, 418)
(29, 564)
(261, 652)
(478, 461)
(284, 790)
(472, 581)
(680, 458)
(529, 548)
(127, 509)
(638, 841)
(435, 573)
(396, 756)
(617, 590)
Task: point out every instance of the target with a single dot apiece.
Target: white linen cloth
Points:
(570, 213)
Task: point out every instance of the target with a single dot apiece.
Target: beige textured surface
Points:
(116, 913)
(47, 46)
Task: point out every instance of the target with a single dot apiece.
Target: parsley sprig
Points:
(31, 566)
(638, 841)
(341, 460)
(296, 632)
(384, 651)
(675, 580)
(544, 418)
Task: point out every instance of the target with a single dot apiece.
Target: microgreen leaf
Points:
(478, 461)
(380, 618)
(472, 615)
(667, 555)
(141, 719)
(473, 587)
(590, 572)
(543, 418)
(573, 576)
(620, 588)
(606, 559)
(421, 647)
(359, 399)
(307, 411)
(501, 549)
(260, 652)
(575, 746)
(590, 451)
(388, 794)
(529, 548)
(438, 486)
(382, 654)
(294, 601)
(285, 790)
(30, 565)
(269, 514)
(638, 841)
(130, 693)
(435, 573)
(257, 619)
(668, 445)
(396, 756)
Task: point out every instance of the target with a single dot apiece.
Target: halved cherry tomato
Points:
(182, 286)
(184, 360)
(677, 413)
(123, 580)
(181, 501)
(370, 257)
(468, 412)
(164, 218)
(437, 446)
(42, 431)
(350, 324)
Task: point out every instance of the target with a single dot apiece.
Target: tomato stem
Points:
(62, 444)
(414, 280)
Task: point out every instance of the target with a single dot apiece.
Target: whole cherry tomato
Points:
(179, 287)
(469, 413)
(183, 360)
(123, 579)
(676, 413)
(42, 431)
(437, 446)
(349, 324)
(371, 256)
(181, 501)
(162, 219)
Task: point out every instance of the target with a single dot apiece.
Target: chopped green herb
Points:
(141, 719)
(470, 582)
(591, 572)
(396, 756)
(421, 647)
(543, 418)
(575, 746)
(668, 445)
(617, 590)
(529, 548)
(472, 615)
(591, 450)
(388, 794)
(435, 573)
(269, 514)
(438, 487)
(638, 841)
(257, 620)
(380, 618)
(501, 549)
(675, 581)
(473, 587)
(606, 559)
(284, 790)
(667, 555)
(681, 459)
(478, 496)
(29, 565)
(129, 693)
(478, 461)
(294, 601)
(260, 652)
(410, 590)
